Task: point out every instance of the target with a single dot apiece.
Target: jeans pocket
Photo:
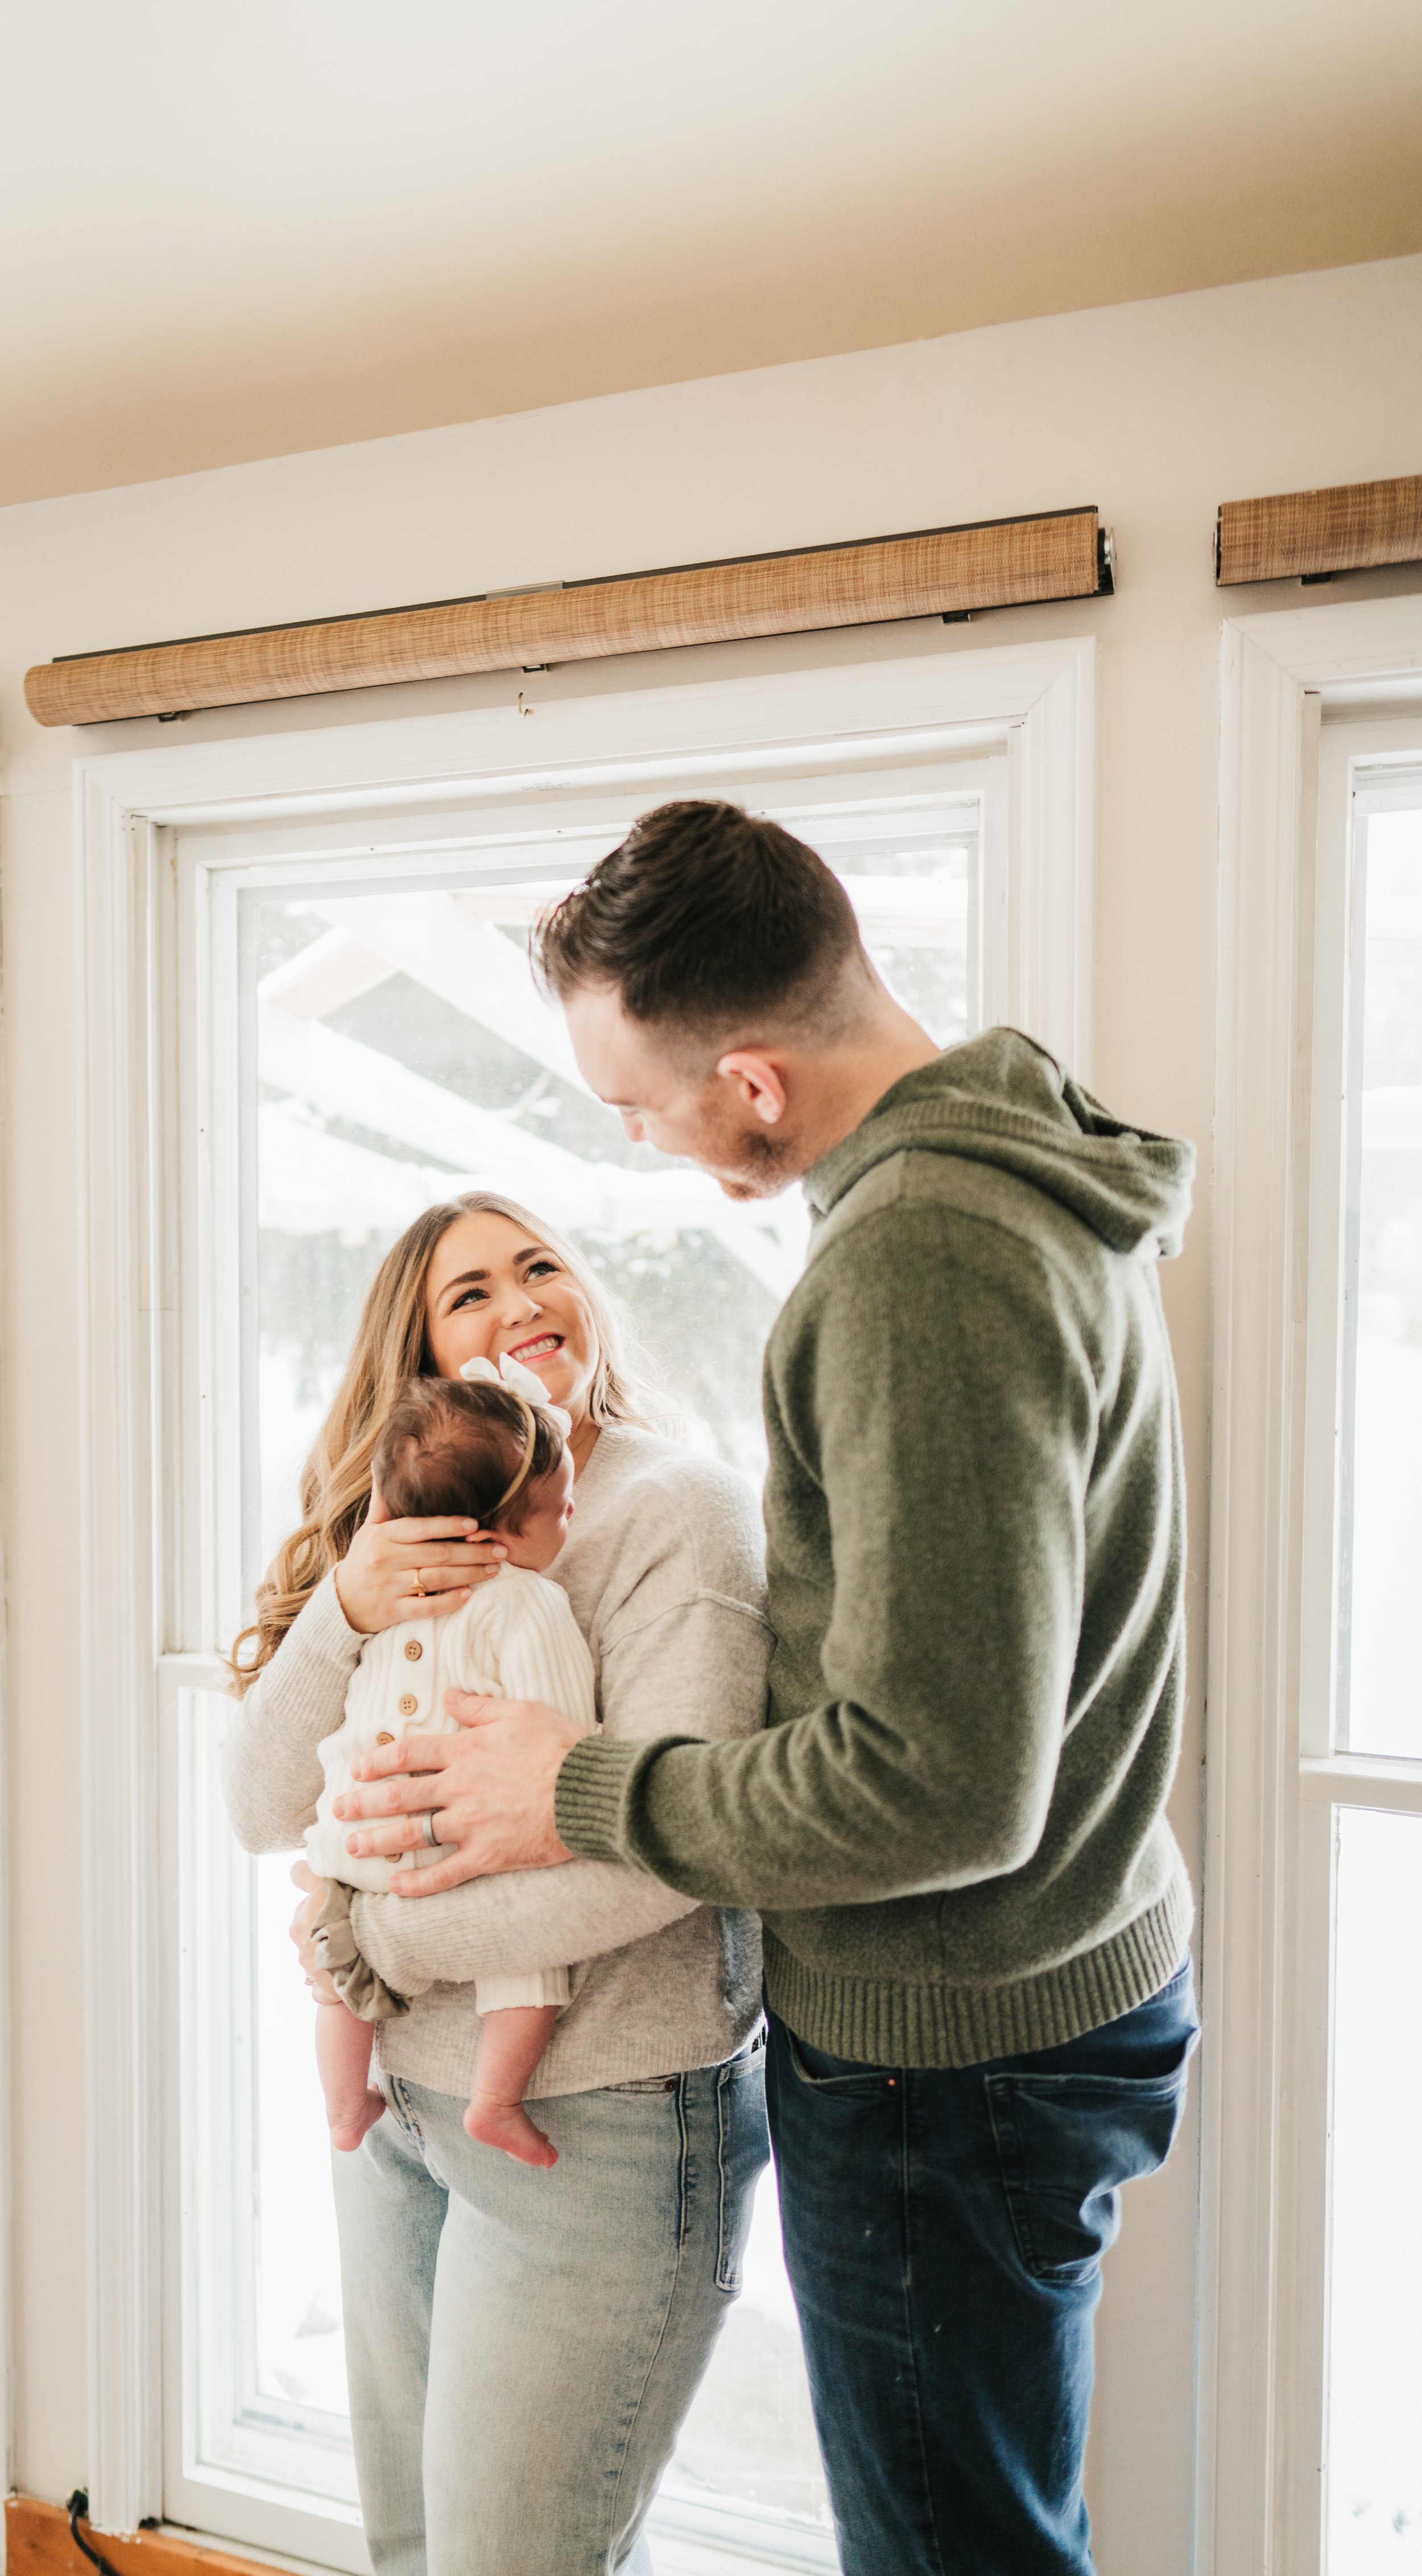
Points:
(742, 2153)
(395, 2096)
(1065, 2145)
(840, 2079)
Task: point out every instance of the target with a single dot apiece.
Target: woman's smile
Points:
(543, 1347)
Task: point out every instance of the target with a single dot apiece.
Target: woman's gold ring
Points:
(419, 1585)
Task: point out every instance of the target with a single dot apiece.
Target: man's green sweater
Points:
(954, 1824)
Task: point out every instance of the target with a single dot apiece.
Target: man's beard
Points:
(761, 1167)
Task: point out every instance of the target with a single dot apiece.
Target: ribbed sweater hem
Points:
(441, 2051)
(882, 2024)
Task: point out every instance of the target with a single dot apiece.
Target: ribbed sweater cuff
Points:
(325, 1629)
(590, 1797)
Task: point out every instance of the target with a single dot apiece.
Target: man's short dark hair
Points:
(705, 916)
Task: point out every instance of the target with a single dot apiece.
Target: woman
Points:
(522, 2345)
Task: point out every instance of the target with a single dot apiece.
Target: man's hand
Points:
(489, 1789)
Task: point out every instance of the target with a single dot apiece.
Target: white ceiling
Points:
(236, 231)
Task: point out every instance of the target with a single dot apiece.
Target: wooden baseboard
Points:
(38, 2543)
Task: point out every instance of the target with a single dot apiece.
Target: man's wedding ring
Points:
(431, 1836)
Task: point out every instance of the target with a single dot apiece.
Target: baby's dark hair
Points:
(453, 1446)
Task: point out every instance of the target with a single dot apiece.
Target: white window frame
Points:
(1308, 697)
(1036, 700)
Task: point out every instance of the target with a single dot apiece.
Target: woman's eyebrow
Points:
(472, 1278)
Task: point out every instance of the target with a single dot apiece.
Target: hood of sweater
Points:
(1000, 1098)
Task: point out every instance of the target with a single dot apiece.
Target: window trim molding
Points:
(118, 1646)
(1278, 672)
(1039, 697)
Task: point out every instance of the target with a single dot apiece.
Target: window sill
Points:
(38, 2543)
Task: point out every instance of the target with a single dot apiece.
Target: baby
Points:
(493, 1449)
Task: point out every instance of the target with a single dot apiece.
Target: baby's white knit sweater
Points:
(516, 1638)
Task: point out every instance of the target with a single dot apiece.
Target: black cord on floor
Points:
(78, 2511)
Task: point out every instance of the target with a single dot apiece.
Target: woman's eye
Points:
(541, 1269)
(469, 1297)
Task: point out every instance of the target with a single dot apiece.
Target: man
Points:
(976, 1918)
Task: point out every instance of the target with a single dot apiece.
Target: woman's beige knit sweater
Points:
(663, 1569)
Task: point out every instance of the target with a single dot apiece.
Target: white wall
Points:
(1156, 412)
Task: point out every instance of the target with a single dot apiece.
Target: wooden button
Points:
(413, 1651)
(408, 1704)
(385, 1739)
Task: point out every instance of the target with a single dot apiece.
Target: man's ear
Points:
(758, 1083)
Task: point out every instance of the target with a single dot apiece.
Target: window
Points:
(1313, 1936)
(391, 1049)
(1379, 1676)
(308, 1013)
(400, 1053)
(1365, 1848)
(1375, 2261)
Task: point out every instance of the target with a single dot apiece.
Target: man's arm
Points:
(540, 1918)
(939, 1391)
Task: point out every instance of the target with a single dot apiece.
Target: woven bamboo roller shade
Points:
(943, 570)
(1344, 528)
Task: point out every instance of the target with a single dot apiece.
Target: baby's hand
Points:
(303, 1923)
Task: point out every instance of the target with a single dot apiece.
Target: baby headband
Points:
(528, 1392)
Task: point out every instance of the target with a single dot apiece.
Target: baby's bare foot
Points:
(507, 2125)
(350, 2120)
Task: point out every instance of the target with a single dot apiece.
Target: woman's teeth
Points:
(539, 1350)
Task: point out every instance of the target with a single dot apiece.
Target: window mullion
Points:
(1352, 1780)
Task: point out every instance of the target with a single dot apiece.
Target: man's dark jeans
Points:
(944, 2234)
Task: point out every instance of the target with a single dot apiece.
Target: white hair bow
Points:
(519, 1381)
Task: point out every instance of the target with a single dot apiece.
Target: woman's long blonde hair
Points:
(391, 1345)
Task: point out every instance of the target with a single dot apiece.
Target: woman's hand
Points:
(489, 1790)
(376, 1579)
(313, 1897)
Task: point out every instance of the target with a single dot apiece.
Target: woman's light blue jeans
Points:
(522, 2346)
